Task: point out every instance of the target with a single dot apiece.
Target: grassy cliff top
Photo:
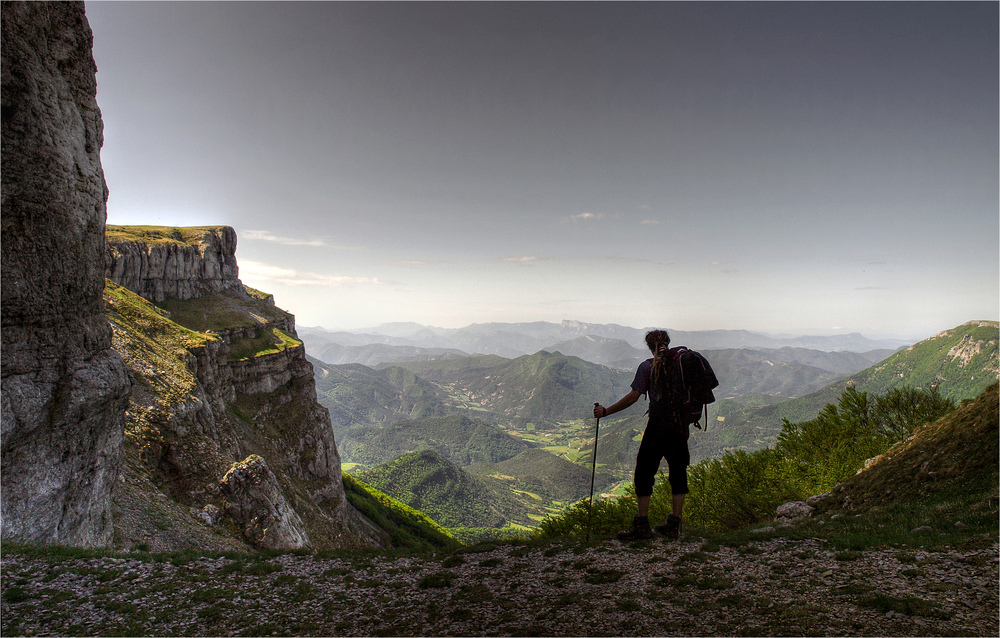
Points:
(153, 346)
(131, 311)
(154, 235)
(219, 311)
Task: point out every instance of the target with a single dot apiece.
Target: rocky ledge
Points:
(181, 263)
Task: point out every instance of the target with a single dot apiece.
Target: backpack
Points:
(687, 387)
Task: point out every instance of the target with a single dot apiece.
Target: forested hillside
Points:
(544, 476)
(459, 501)
(783, 373)
(544, 386)
(961, 363)
(359, 395)
(458, 438)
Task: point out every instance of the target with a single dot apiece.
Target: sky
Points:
(793, 168)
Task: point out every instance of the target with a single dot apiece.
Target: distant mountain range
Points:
(512, 340)
(523, 424)
(961, 363)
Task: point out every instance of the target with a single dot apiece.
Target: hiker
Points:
(665, 436)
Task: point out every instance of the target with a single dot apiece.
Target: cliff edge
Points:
(180, 263)
(226, 444)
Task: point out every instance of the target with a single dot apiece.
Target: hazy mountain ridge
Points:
(375, 353)
(512, 340)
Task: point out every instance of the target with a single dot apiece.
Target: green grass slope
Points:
(428, 482)
(945, 477)
(159, 235)
(545, 475)
(405, 527)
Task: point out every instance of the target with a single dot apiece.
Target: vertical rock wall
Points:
(64, 390)
(174, 263)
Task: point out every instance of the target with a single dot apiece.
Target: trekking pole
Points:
(593, 471)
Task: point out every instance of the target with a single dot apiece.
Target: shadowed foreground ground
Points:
(768, 587)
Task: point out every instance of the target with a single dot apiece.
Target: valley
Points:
(523, 425)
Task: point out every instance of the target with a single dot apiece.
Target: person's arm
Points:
(624, 402)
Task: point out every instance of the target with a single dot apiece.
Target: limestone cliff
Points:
(64, 389)
(192, 423)
(173, 262)
(223, 428)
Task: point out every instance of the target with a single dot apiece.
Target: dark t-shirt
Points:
(642, 377)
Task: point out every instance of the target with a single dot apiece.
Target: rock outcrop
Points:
(223, 419)
(255, 502)
(64, 389)
(172, 262)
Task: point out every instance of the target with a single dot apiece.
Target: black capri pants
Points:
(662, 440)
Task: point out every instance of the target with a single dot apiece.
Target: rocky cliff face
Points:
(173, 262)
(64, 389)
(224, 436)
(193, 423)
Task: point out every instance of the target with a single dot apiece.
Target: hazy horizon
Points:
(792, 168)
(780, 335)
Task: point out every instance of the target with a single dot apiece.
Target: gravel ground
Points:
(770, 587)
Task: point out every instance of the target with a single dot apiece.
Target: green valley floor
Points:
(773, 586)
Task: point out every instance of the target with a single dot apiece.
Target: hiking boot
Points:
(639, 530)
(671, 528)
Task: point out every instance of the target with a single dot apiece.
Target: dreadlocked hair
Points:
(658, 342)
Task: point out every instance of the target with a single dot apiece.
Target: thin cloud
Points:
(521, 260)
(621, 259)
(263, 235)
(289, 277)
(586, 217)
(420, 262)
(650, 222)
(728, 267)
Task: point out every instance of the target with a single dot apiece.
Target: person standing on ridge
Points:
(665, 436)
